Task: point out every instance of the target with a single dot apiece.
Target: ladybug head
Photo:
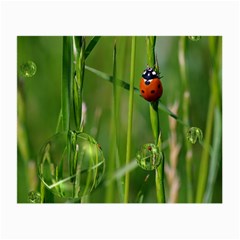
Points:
(149, 73)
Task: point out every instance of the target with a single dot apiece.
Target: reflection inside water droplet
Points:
(149, 157)
(28, 69)
(71, 164)
(194, 134)
(34, 197)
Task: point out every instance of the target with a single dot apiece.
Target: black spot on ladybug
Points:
(147, 82)
(143, 91)
(159, 85)
(152, 91)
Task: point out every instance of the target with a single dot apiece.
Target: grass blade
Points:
(91, 46)
(79, 46)
(66, 78)
(214, 162)
(213, 102)
(130, 115)
(185, 109)
(112, 154)
(109, 78)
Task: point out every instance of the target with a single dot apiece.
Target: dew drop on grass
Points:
(149, 157)
(194, 134)
(34, 197)
(28, 69)
(194, 38)
(71, 164)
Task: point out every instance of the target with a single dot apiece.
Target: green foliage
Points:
(40, 112)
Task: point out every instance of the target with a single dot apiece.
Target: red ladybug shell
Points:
(151, 91)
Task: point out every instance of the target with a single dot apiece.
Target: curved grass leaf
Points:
(109, 78)
(91, 46)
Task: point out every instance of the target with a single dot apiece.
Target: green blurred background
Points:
(42, 102)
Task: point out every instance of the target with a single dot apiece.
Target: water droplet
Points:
(71, 164)
(149, 157)
(34, 197)
(28, 69)
(194, 38)
(194, 134)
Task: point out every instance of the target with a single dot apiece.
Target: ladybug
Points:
(150, 85)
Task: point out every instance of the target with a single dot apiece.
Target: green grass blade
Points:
(91, 45)
(66, 78)
(109, 78)
(59, 122)
(116, 117)
(214, 162)
(151, 42)
(130, 115)
(154, 117)
(185, 110)
(112, 154)
(205, 158)
(79, 46)
(159, 180)
(119, 173)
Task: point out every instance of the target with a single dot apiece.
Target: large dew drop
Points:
(34, 197)
(28, 69)
(149, 157)
(194, 134)
(71, 164)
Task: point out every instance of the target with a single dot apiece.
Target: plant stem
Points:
(130, 115)
(217, 134)
(159, 179)
(203, 170)
(22, 135)
(66, 78)
(79, 46)
(113, 146)
(154, 116)
(186, 98)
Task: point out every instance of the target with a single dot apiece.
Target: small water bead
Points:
(149, 157)
(194, 38)
(34, 197)
(71, 164)
(28, 69)
(194, 134)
